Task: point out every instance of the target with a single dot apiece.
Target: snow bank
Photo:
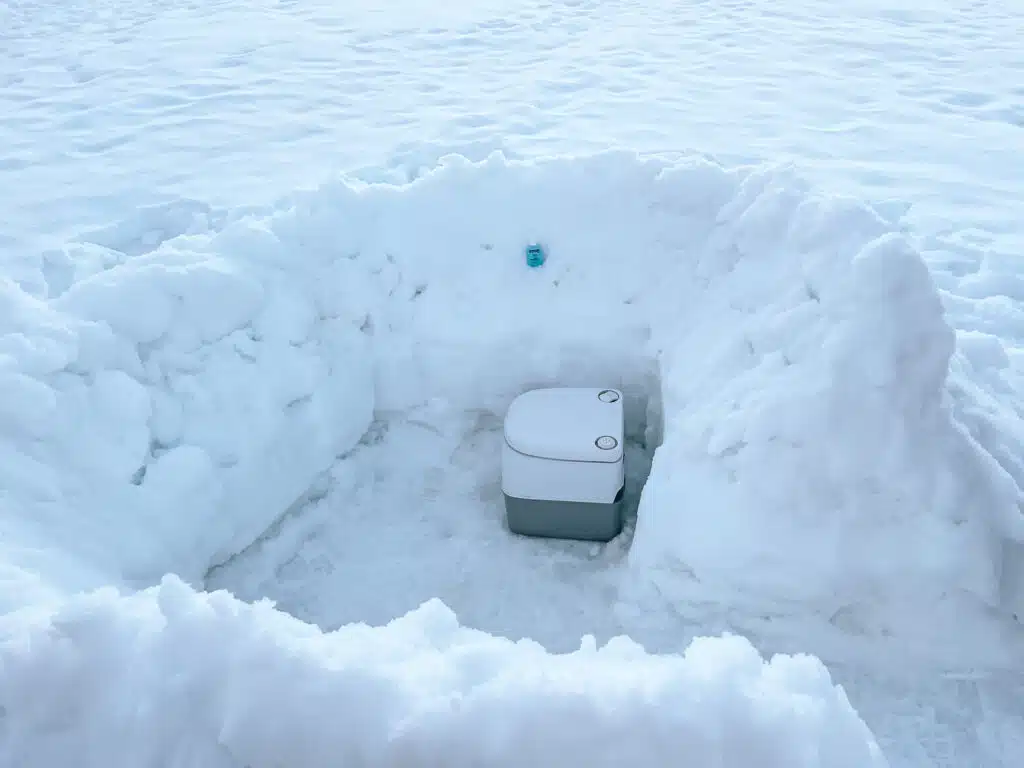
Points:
(172, 676)
(811, 456)
(170, 389)
(162, 411)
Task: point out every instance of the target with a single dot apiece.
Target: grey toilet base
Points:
(580, 520)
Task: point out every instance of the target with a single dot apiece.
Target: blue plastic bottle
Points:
(535, 255)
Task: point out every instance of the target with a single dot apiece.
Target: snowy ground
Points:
(879, 98)
(416, 514)
(297, 394)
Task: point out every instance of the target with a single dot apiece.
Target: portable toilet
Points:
(562, 471)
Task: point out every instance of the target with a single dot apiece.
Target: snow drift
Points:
(175, 383)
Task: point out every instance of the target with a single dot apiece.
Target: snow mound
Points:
(163, 407)
(171, 675)
(163, 412)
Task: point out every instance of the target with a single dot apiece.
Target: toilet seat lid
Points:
(567, 424)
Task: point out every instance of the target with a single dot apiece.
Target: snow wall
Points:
(173, 383)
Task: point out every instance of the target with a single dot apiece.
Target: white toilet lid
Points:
(567, 424)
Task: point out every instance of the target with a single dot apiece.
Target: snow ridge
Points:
(252, 686)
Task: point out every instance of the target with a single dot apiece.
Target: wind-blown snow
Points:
(831, 385)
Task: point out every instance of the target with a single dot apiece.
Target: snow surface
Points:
(253, 686)
(298, 394)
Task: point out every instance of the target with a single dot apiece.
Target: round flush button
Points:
(606, 443)
(608, 396)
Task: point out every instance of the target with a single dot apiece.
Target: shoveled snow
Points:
(185, 678)
(755, 319)
(300, 395)
(802, 351)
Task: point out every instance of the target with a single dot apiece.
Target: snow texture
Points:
(802, 348)
(192, 358)
(90, 684)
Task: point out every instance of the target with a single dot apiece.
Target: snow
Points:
(88, 684)
(154, 428)
(221, 359)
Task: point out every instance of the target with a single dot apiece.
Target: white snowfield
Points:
(299, 399)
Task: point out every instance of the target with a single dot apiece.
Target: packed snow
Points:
(225, 368)
(252, 686)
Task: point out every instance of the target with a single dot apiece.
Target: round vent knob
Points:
(608, 396)
(606, 442)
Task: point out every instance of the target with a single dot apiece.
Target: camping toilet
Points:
(562, 463)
